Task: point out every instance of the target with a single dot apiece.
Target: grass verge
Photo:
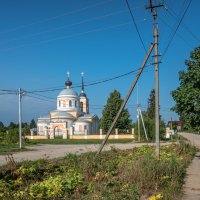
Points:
(10, 148)
(81, 141)
(116, 174)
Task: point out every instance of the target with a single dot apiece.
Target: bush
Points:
(56, 186)
(12, 136)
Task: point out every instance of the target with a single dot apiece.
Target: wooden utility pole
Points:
(153, 7)
(126, 99)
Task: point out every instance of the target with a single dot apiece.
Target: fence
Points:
(117, 135)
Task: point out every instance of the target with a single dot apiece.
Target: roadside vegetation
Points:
(115, 174)
(9, 137)
(77, 141)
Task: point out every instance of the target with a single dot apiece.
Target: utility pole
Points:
(138, 116)
(126, 99)
(20, 118)
(153, 8)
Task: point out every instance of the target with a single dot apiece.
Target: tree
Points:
(33, 124)
(149, 119)
(12, 125)
(110, 111)
(187, 95)
(151, 105)
(2, 127)
(12, 136)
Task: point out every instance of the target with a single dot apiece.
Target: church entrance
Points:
(58, 132)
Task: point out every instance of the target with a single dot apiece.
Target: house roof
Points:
(86, 116)
(62, 114)
(44, 117)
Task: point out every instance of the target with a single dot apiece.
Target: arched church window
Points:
(75, 103)
(59, 103)
(70, 103)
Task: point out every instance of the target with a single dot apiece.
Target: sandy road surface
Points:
(53, 151)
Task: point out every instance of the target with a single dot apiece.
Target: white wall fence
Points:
(70, 135)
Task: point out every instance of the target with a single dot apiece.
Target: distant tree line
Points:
(10, 133)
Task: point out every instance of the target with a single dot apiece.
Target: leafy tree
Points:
(110, 111)
(2, 127)
(33, 124)
(12, 125)
(149, 120)
(187, 95)
(25, 128)
(151, 105)
(12, 136)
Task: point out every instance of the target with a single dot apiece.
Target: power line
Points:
(66, 26)
(7, 93)
(35, 92)
(91, 84)
(174, 33)
(136, 27)
(42, 96)
(56, 17)
(180, 36)
(14, 91)
(66, 37)
(39, 98)
(175, 16)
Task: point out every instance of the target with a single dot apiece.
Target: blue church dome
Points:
(68, 92)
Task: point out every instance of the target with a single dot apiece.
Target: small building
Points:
(177, 124)
(71, 117)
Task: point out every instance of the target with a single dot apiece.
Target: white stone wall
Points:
(67, 104)
(80, 127)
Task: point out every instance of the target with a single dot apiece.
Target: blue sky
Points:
(41, 40)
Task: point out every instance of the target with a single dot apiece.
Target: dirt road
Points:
(53, 151)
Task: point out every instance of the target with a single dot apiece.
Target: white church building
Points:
(71, 117)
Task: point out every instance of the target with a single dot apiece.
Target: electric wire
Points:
(136, 27)
(39, 98)
(66, 26)
(47, 97)
(180, 36)
(7, 93)
(175, 16)
(94, 83)
(175, 30)
(78, 85)
(56, 17)
(66, 37)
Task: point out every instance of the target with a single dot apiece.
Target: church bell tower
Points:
(84, 102)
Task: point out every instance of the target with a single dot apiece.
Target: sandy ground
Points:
(191, 187)
(53, 151)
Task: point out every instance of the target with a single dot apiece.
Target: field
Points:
(116, 174)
